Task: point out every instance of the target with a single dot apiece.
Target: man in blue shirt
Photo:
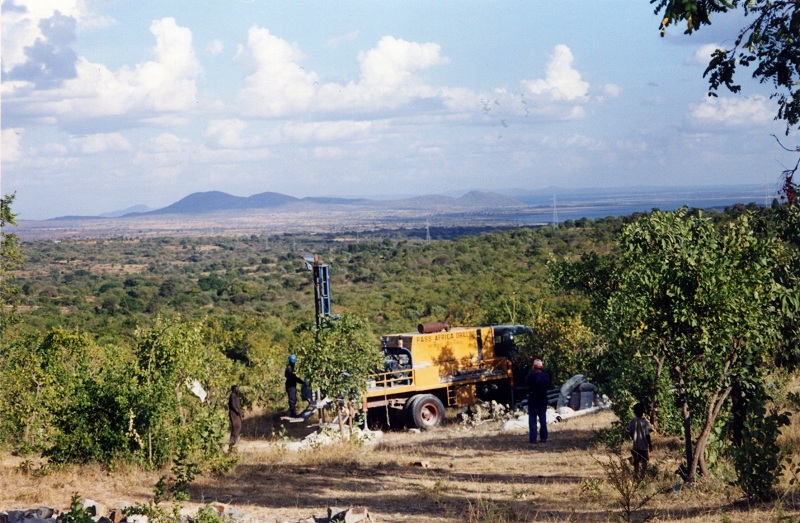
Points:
(291, 385)
(538, 382)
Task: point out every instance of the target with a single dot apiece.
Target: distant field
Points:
(534, 209)
(248, 223)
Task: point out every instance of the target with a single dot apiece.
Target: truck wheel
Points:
(408, 410)
(427, 411)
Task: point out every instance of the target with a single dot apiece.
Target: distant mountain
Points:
(123, 212)
(269, 199)
(217, 201)
(487, 199)
(336, 201)
(203, 202)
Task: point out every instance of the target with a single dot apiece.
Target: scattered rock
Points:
(44, 512)
(99, 509)
(353, 515)
(228, 513)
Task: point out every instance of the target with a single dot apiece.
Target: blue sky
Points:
(109, 104)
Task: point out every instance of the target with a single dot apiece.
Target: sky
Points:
(109, 104)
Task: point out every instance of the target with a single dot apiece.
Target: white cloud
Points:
(215, 47)
(702, 55)
(574, 142)
(327, 153)
(226, 134)
(387, 79)
(100, 143)
(162, 85)
(166, 143)
(21, 26)
(730, 111)
(338, 40)
(561, 81)
(278, 85)
(164, 158)
(324, 131)
(611, 90)
(12, 144)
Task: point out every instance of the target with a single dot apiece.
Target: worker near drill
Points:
(291, 385)
(235, 416)
(538, 382)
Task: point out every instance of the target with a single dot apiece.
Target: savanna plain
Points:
(237, 304)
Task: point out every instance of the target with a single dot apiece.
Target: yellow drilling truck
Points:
(440, 366)
(435, 367)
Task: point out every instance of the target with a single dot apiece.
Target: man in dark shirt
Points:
(291, 385)
(538, 382)
(235, 416)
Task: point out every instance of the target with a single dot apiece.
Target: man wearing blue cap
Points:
(291, 385)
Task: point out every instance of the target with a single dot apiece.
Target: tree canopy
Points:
(770, 42)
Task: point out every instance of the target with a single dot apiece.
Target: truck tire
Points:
(408, 410)
(427, 411)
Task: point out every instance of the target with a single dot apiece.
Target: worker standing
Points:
(639, 430)
(291, 385)
(235, 416)
(538, 382)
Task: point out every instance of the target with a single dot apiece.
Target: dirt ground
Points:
(452, 473)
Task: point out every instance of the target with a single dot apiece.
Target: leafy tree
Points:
(701, 298)
(769, 40)
(169, 356)
(337, 357)
(10, 259)
(756, 454)
(564, 343)
(37, 377)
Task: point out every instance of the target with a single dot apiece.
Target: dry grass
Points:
(444, 475)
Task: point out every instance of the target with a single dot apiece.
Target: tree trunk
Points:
(715, 403)
(687, 428)
(32, 418)
(180, 406)
(339, 413)
(654, 407)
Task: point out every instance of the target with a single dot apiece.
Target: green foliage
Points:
(38, 373)
(76, 512)
(168, 357)
(10, 259)
(613, 438)
(338, 356)
(155, 313)
(566, 345)
(631, 492)
(698, 298)
(693, 313)
(78, 402)
(92, 424)
(757, 457)
(209, 514)
(768, 40)
(183, 473)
